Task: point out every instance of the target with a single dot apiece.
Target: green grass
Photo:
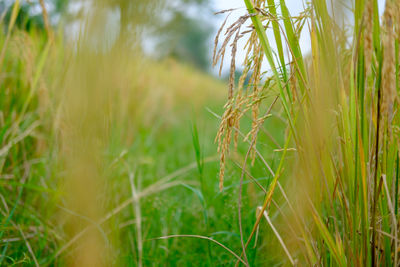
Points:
(158, 143)
(108, 158)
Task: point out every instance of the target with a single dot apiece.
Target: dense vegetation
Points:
(107, 157)
(336, 201)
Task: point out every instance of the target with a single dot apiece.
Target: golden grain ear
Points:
(240, 100)
(368, 33)
(388, 69)
(45, 15)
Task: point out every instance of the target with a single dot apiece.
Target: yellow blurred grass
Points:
(100, 93)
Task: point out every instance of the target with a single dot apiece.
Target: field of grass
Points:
(112, 158)
(126, 160)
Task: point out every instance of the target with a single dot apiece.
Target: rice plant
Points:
(332, 199)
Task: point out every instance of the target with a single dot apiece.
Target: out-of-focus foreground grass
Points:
(103, 151)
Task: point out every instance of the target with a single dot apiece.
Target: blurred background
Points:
(177, 29)
(108, 114)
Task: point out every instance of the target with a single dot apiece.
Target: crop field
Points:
(148, 133)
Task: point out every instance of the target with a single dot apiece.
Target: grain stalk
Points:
(341, 112)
